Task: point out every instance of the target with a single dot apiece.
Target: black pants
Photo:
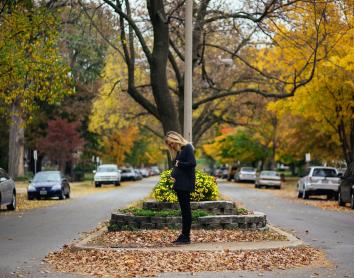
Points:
(185, 204)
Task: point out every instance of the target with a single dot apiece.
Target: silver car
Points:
(247, 174)
(319, 181)
(7, 191)
(268, 179)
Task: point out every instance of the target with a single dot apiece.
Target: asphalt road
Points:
(25, 238)
(330, 231)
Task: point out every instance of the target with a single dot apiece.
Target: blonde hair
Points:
(178, 139)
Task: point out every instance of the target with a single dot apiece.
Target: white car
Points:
(319, 181)
(246, 174)
(269, 179)
(107, 174)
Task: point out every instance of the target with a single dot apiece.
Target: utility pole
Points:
(188, 78)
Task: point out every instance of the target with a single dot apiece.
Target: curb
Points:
(291, 242)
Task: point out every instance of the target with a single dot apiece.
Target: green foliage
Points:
(162, 213)
(31, 68)
(206, 188)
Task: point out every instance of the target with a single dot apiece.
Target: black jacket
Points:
(184, 173)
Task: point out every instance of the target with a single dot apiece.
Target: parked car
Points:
(107, 174)
(139, 176)
(346, 191)
(7, 191)
(144, 172)
(268, 179)
(221, 172)
(248, 174)
(48, 184)
(154, 171)
(319, 180)
(232, 172)
(128, 174)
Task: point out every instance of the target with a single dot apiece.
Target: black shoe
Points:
(182, 239)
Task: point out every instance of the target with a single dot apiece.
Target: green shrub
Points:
(162, 213)
(206, 188)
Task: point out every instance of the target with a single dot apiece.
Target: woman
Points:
(183, 173)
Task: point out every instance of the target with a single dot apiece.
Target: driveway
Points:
(25, 238)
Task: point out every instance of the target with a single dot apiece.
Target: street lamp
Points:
(188, 79)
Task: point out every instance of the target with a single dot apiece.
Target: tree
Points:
(31, 71)
(238, 144)
(326, 104)
(62, 142)
(214, 28)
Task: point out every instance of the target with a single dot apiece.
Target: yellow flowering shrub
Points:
(206, 188)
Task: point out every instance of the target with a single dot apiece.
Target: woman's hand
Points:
(177, 161)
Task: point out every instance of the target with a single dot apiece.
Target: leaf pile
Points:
(159, 238)
(150, 263)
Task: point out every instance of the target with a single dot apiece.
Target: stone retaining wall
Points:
(212, 207)
(120, 221)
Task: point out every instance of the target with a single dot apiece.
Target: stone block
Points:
(213, 226)
(157, 220)
(231, 226)
(118, 216)
(147, 226)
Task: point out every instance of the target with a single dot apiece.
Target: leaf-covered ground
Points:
(159, 238)
(150, 263)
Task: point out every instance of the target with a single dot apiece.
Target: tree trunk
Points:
(274, 142)
(16, 143)
(163, 99)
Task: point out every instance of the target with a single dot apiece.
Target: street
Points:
(27, 239)
(330, 231)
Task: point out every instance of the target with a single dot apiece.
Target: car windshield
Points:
(269, 173)
(106, 169)
(323, 172)
(127, 171)
(43, 177)
(247, 169)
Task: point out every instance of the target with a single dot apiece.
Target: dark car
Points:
(346, 190)
(47, 184)
(129, 174)
(7, 191)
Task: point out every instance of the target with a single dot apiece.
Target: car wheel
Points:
(12, 206)
(62, 195)
(299, 194)
(305, 194)
(340, 202)
(352, 201)
(97, 184)
(29, 198)
(117, 183)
